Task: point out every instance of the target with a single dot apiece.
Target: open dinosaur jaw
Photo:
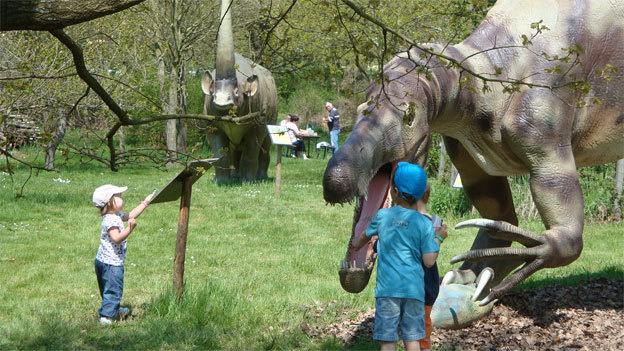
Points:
(356, 268)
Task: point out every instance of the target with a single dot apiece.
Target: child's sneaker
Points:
(123, 312)
(106, 321)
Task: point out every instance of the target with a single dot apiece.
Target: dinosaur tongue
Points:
(377, 196)
(358, 265)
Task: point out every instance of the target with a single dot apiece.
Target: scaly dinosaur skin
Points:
(491, 135)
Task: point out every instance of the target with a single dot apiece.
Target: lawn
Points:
(256, 266)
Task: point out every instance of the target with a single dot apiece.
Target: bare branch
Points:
(81, 68)
(280, 19)
(56, 14)
(35, 76)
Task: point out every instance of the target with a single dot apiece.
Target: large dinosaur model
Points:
(241, 86)
(493, 133)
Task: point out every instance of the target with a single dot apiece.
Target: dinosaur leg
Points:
(559, 200)
(491, 196)
(249, 155)
(264, 158)
(545, 147)
(220, 148)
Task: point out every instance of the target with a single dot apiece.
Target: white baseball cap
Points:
(103, 194)
(328, 104)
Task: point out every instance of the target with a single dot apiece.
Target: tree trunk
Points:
(176, 130)
(55, 14)
(182, 108)
(442, 162)
(619, 181)
(453, 173)
(120, 135)
(55, 142)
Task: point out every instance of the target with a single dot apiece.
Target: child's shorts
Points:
(392, 313)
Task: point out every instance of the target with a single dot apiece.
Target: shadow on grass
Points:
(54, 333)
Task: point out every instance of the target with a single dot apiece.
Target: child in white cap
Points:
(406, 242)
(109, 262)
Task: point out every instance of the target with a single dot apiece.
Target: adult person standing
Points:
(333, 124)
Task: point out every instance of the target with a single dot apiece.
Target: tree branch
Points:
(35, 76)
(55, 14)
(81, 68)
(451, 60)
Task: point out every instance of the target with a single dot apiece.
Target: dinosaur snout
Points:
(339, 184)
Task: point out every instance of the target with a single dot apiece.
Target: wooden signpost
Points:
(180, 188)
(279, 137)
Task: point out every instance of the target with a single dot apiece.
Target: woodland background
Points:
(149, 58)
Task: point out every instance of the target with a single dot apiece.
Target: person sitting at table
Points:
(293, 133)
(284, 121)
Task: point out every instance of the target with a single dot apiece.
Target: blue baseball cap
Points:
(410, 179)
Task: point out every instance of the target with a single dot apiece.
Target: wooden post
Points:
(278, 171)
(180, 250)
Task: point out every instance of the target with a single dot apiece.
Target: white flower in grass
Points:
(251, 193)
(133, 264)
(61, 180)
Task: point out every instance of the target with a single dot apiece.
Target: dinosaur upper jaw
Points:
(358, 264)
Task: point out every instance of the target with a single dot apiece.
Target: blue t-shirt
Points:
(404, 235)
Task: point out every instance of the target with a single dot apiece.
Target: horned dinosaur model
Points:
(491, 134)
(242, 87)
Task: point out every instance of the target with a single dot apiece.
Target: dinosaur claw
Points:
(447, 277)
(477, 222)
(456, 259)
(485, 301)
(486, 276)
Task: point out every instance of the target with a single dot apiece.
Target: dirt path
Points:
(589, 316)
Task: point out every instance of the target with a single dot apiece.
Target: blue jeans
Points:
(392, 313)
(110, 281)
(333, 136)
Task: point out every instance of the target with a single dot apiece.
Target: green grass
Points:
(256, 265)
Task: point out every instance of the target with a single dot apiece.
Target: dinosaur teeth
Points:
(344, 264)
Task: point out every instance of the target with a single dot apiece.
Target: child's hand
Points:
(441, 231)
(132, 223)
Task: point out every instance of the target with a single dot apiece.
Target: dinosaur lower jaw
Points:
(356, 268)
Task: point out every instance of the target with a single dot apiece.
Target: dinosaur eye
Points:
(408, 118)
(409, 114)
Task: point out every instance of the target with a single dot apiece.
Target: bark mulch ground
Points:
(589, 316)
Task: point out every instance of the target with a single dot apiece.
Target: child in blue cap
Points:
(406, 242)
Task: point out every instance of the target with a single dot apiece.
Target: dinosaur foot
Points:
(464, 297)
